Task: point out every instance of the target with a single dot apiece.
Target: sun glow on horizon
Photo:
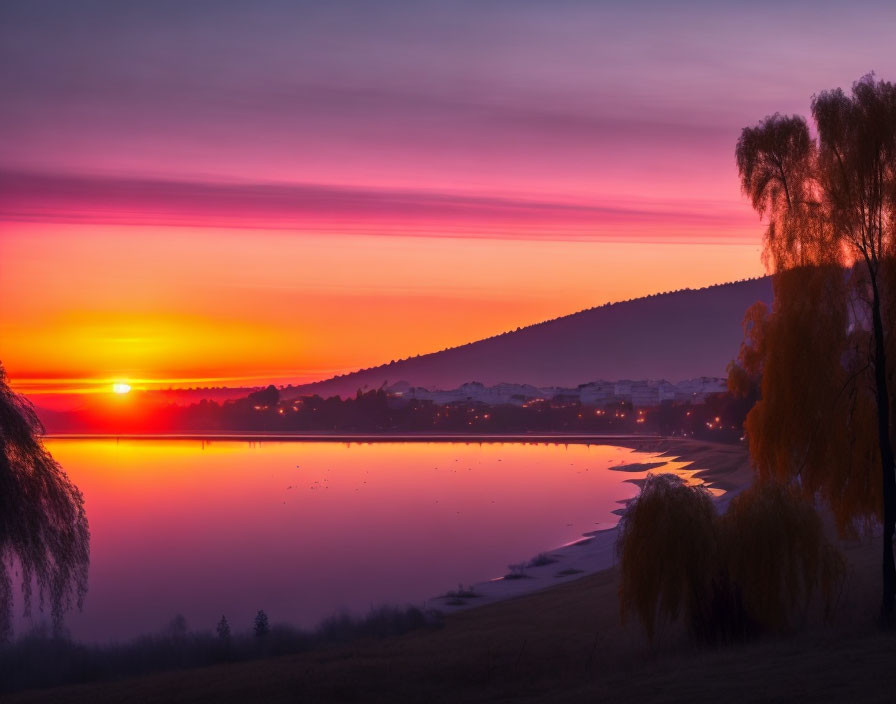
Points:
(222, 308)
(120, 387)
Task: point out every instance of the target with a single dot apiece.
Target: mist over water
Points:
(303, 529)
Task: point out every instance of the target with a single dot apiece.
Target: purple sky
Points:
(580, 101)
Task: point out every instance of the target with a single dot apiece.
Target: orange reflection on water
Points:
(302, 529)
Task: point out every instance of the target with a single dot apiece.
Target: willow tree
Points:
(823, 355)
(44, 538)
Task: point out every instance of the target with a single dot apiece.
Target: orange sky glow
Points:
(160, 306)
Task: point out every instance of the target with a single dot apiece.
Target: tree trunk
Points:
(888, 474)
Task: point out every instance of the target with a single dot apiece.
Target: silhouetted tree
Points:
(262, 627)
(266, 397)
(825, 351)
(43, 528)
(223, 630)
(177, 628)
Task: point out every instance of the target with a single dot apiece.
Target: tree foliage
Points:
(668, 548)
(725, 577)
(223, 630)
(261, 625)
(44, 536)
(775, 553)
(813, 419)
(823, 356)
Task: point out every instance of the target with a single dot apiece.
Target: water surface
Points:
(303, 529)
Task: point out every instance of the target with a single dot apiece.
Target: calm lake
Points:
(304, 529)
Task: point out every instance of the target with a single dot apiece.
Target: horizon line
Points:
(98, 385)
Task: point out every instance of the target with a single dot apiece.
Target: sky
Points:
(209, 193)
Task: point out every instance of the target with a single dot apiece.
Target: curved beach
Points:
(724, 469)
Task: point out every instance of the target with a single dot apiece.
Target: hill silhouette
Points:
(676, 336)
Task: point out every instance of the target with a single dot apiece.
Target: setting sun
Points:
(121, 388)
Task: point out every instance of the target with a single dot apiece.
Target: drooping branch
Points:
(44, 536)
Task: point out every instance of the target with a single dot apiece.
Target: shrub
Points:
(461, 592)
(776, 551)
(541, 559)
(668, 548)
(726, 577)
(41, 659)
(517, 571)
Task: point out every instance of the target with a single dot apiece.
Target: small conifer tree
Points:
(262, 628)
(223, 630)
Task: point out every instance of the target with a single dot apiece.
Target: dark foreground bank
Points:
(564, 644)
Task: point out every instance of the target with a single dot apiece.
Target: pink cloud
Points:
(41, 197)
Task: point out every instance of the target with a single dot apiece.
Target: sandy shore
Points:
(723, 468)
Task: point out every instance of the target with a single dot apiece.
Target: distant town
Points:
(700, 408)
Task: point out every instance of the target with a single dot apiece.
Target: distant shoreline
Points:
(249, 436)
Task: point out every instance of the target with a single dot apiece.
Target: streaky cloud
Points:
(30, 196)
